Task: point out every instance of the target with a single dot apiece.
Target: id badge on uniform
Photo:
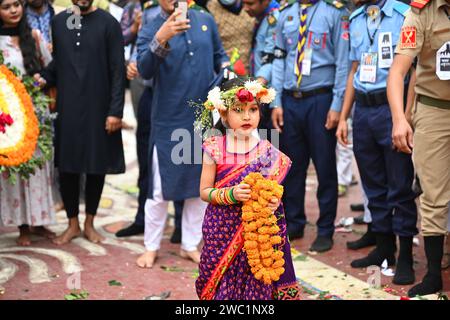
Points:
(306, 64)
(443, 62)
(385, 52)
(368, 67)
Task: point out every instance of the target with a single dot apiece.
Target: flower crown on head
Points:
(252, 90)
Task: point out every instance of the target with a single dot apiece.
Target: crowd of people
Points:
(328, 79)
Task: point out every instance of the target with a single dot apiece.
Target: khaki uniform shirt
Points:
(424, 32)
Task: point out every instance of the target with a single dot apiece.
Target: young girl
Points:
(224, 272)
(27, 204)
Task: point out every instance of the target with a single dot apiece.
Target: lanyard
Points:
(372, 36)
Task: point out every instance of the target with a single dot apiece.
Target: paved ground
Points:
(108, 270)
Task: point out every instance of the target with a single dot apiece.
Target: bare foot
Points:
(67, 236)
(191, 255)
(43, 232)
(147, 259)
(92, 235)
(24, 237)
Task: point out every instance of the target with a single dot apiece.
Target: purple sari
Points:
(224, 273)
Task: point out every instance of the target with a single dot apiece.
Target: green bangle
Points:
(210, 194)
(231, 196)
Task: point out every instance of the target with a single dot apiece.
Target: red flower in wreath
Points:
(5, 120)
(244, 96)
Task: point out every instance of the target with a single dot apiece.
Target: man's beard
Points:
(86, 7)
(36, 4)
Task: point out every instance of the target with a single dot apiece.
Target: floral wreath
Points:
(251, 91)
(26, 133)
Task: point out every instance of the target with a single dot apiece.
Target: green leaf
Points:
(301, 258)
(70, 297)
(114, 283)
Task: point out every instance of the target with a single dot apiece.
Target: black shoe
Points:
(359, 220)
(296, 235)
(132, 230)
(432, 282)
(404, 273)
(176, 236)
(357, 207)
(322, 244)
(385, 250)
(367, 240)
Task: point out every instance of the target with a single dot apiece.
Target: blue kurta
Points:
(181, 73)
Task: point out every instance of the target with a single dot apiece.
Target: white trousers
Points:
(156, 216)
(344, 156)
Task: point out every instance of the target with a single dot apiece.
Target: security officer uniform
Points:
(307, 91)
(426, 35)
(386, 174)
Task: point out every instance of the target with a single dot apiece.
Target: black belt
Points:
(371, 99)
(306, 94)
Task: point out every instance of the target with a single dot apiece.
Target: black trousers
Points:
(70, 192)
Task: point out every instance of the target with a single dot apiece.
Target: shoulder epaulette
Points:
(287, 4)
(272, 18)
(419, 4)
(401, 8)
(150, 4)
(357, 12)
(335, 3)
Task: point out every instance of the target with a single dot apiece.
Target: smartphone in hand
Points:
(182, 6)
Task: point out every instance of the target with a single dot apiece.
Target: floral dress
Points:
(26, 202)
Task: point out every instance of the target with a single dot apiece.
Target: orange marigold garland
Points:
(261, 229)
(26, 143)
(25, 131)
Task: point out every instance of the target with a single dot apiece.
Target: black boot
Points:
(132, 230)
(385, 249)
(404, 273)
(432, 282)
(367, 240)
(176, 236)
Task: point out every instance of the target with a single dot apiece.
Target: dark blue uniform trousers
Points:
(304, 136)
(386, 175)
(142, 142)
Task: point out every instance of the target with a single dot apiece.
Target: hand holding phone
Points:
(182, 6)
(173, 26)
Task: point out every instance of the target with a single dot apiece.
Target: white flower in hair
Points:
(269, 97)
(215, 99)
(253, 86)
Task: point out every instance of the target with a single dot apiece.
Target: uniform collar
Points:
(387, 9)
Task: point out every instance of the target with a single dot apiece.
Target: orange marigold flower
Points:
(249, 245)
(253, 262)
(263, 238)
(248, 216)
(250, 236)
(265, 246)
(266, 253)
(275, 240)
(278, 263)
(267, 262)
(253, 252)
(277, 255)
(250, 227)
